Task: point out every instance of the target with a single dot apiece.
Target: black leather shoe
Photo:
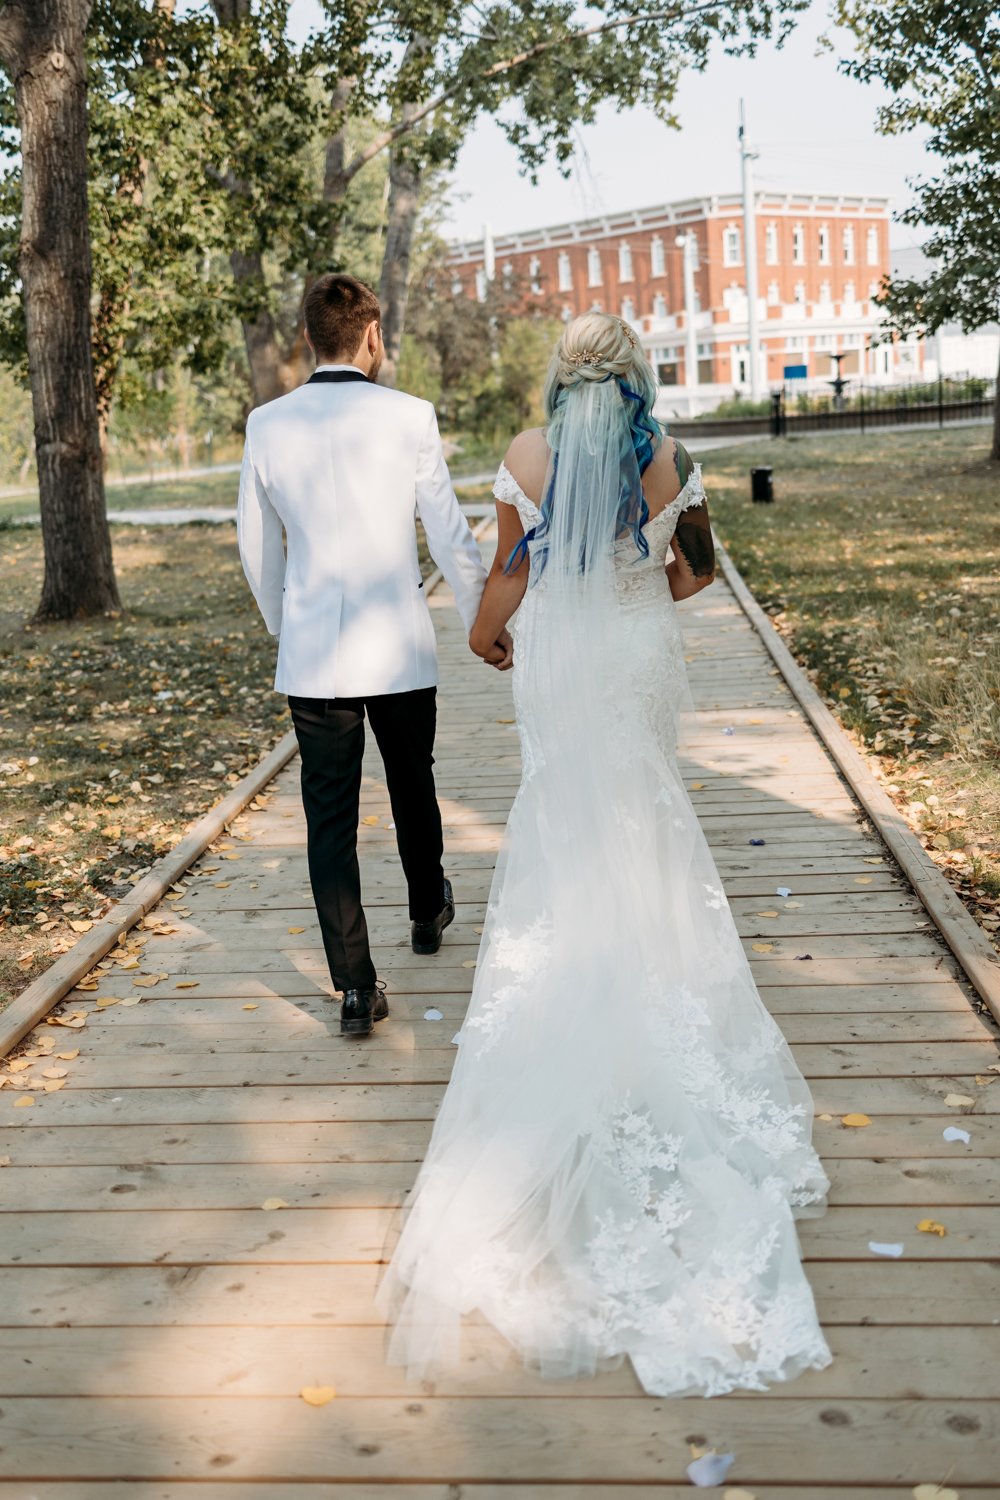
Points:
(425, 937)
(360, 1009)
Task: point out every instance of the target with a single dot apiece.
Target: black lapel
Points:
(319, 377)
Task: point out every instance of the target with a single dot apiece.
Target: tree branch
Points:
(675, 13)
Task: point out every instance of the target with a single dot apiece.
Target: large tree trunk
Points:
(42, 48)
(995, 450)
(401, 222)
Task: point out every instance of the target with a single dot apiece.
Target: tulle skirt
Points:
(624, 1145)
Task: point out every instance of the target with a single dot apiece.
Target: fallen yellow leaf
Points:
(68, 1056)
(855, 1119)
(270, 1204)
(83, 926)
(106, 1001)
(132, 1000)
(19, 1064)
(767, 914)
(54, 1072)
(958, 1099)
(874, 859)
(369, 822)
(931, 1226)
(762, 947)
(468, 963)
(187, 984)
(296, 929)
(862, 880)
(249, 1007)
(317, 1395)
(697, 786)
(824, 1117)
(55, 1085)
(87, 984)
(221, 885)
(23, 1102)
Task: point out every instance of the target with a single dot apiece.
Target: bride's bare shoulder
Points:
(668, 472)
(527, 459)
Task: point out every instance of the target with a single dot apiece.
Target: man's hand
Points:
(500, 654)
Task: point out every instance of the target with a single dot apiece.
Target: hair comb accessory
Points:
(584, 357)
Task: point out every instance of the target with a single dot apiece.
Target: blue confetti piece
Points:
(758, 841)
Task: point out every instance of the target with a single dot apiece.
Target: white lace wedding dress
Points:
(625, 1143)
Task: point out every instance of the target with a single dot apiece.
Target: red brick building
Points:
(819, 262)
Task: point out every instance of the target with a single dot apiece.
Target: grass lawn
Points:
(880, 564)
(199, 492)
(118, 733)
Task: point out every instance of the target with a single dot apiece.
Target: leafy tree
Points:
(942, 64)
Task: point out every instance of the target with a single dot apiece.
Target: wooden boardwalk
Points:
(160, 1320)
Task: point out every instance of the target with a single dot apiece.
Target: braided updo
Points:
(595, 347)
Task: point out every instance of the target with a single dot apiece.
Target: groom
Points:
(342, 465)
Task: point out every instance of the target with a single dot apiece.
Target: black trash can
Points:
(761, 489)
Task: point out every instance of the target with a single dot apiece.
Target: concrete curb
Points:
(964, 937)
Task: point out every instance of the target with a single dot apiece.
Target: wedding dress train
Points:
(625, 1143)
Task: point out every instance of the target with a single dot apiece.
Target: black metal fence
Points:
(861, 408)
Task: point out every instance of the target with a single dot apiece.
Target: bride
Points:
(624, 1146)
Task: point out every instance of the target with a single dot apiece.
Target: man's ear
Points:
(374, 336)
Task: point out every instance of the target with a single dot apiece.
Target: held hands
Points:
(500, 654)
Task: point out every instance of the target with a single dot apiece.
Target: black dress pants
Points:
(331, 736)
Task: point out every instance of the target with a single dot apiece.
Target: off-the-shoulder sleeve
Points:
(693, 492)
(507, 490)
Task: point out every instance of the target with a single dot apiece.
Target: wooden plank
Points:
(394, 1490)
(349, 1064)
(889, 1364)
(374, 1140)
(529, 1440)
(285, 1103)
(378, 1183)
(871, 1293)
(297, 1235)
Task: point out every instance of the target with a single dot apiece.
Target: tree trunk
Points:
(401, 222)
(995, 450)
(42, 48)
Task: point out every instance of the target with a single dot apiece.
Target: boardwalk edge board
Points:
(28, 1008)
(966, 940)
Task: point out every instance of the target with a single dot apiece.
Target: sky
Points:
(813, 128)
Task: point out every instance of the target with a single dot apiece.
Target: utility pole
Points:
(688, 246)
(489, 253)
(750, 254)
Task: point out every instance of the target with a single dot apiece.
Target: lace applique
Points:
(507, 490)
(524, 956)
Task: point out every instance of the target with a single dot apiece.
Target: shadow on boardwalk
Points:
(160, 1324)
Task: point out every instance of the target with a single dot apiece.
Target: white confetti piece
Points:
(879, 1249)
(783, 890)
(711, 1468)
(433, 1014)
(953, 1133)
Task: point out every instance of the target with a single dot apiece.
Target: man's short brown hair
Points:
(337, 310)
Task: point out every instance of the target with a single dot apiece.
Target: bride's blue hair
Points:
(640, 433)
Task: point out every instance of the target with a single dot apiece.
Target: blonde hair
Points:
(598, 346)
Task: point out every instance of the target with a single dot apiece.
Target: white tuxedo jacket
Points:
(344, 468)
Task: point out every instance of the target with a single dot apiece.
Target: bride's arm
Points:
(504, 591)
(692, 567)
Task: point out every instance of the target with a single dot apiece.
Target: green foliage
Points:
(941, 62)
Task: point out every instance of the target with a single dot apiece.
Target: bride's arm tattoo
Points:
(683, 463)
(694, 537)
